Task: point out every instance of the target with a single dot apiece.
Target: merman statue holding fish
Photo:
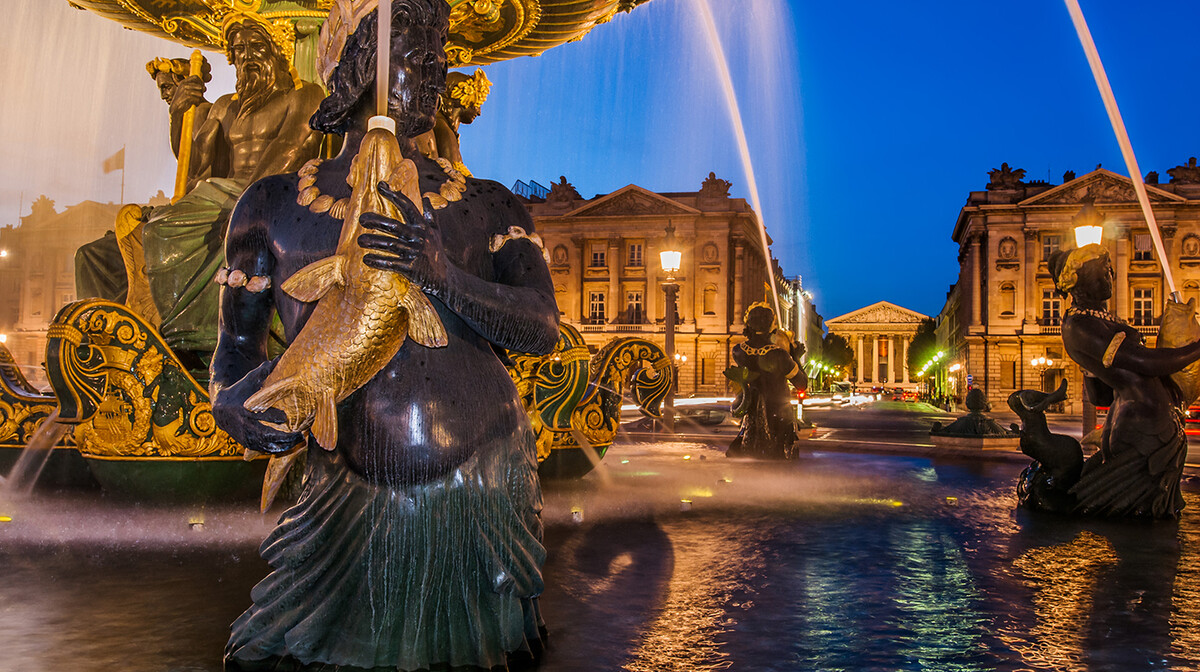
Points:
(416, 541)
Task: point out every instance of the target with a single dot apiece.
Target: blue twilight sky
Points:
(868, 123)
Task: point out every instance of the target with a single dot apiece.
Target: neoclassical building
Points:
(879, 336)
(1003, 312)
(37, 273)
(604, 259)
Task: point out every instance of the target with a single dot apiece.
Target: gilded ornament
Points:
(363, 315)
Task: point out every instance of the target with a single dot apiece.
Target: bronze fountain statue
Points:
(766, 363)
(1137, 470)
(416, 541)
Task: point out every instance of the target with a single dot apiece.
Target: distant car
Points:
(686, 416)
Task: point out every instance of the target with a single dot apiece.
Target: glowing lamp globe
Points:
(671, 257)
(1088, 235)
(670, 260)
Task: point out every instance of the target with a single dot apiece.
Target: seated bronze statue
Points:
(262, 129)
(416, 540)
(1137, 470)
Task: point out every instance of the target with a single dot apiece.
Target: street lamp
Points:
(1040, 364)
(670, 257)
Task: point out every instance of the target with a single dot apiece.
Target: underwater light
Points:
(577, 515)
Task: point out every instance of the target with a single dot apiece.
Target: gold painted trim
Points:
(135, 458)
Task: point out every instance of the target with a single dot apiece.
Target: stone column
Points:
(739, 299)
(860, 361)
(581, 249)
(904, 361)
(1121, 266)
(616, 302)
(975, 254)
(1030, 268)
(875, 359)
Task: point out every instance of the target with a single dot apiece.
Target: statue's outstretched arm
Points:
(1094, 346)
(516, 311)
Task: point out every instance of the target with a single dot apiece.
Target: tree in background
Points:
(923, 346)
(836, 352)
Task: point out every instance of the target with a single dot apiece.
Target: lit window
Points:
(599, 259)
(1051, 308)
(634, 313)
(635, 254)
(1143, 249)
(596, 313)
(1050, 244)
(1143, 306)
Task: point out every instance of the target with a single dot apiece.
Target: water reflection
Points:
(780, 567)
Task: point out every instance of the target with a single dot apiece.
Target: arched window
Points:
(1008, 299)
(710, 299)
(1191, 290)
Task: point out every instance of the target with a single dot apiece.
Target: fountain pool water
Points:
(833, 562)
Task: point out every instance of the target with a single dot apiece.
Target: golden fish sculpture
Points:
(362, 315)
(1179, 328)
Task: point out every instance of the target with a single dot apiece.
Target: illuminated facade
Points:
(1003, 313)
(604, 260)
(879, 336)
(37, 273)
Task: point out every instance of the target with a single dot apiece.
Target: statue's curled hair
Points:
(354, 74)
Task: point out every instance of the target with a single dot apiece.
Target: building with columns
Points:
(1003, 311)
(37, 273)
(604, 261)
(879, 336)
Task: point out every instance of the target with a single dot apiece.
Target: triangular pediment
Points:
(1100, 187)
(883, 312)
(632, 201)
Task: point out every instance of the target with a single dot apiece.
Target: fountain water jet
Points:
(718, 53)
(29, 466)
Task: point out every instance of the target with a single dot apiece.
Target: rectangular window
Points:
(1051, 315)
(1050, 245)
(635, 255)
(1008, 375)
(1143, 306)
(708, 369)
(596, 308)
(1143, 249)
(634, 312)
(599, 259)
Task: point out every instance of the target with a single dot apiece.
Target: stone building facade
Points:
(1003, 312)
(879, 336)
(37, 273)
(604, 260)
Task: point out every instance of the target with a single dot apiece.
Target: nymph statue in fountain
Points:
(416, 541)
(767, 364)
(1137, 470)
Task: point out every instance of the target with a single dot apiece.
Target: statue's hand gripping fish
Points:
(363, 314)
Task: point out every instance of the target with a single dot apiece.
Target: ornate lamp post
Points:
(1040, 364)
(670, 258)
(1089, 230)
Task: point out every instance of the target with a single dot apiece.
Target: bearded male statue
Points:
(260, 130)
